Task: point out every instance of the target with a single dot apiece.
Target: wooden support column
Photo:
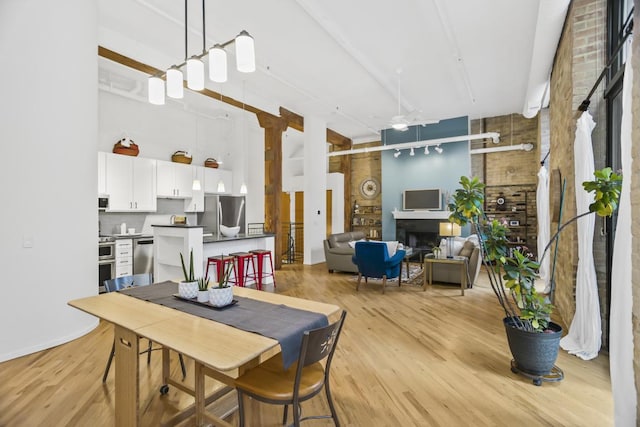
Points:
(273, 127)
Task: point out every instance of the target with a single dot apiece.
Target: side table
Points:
(429, 260)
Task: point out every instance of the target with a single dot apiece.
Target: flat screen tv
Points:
(415, 200)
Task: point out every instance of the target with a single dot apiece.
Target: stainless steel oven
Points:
(106, 261)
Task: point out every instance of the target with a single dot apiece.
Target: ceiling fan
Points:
(401, 121)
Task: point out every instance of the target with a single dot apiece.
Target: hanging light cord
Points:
(185, 33)
(204, 31)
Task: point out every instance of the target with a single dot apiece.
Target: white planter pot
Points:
(203, 296)
(188, 289)
(219, 297)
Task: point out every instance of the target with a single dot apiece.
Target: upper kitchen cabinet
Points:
(130, 183)
(175, 180)
(215, 179)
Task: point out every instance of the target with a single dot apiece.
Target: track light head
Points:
(397, 154)
(412, 153)
(426, 150)
(438, 149)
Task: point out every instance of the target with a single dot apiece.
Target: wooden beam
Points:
(296, 122)
(273, 128)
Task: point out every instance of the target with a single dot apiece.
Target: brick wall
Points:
(579, 60)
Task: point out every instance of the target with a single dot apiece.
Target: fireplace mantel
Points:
(421, 214)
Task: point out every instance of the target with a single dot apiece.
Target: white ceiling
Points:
(339, 59)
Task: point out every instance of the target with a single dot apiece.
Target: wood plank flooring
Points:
(406, 358)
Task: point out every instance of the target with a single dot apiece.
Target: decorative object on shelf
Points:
(501, 203)
(181, 157)
(217, 59)
(450, 230)
(369, 188)
(126, 146)
(211, 163)
(514, 223)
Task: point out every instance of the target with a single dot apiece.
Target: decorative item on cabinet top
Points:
(126, 146)
(181, 157)
(211, 163)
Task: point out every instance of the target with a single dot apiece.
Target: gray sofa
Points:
(338, 252)
(450, 273)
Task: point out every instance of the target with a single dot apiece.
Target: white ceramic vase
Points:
(188, 289)
(219, 297)
(203, 296)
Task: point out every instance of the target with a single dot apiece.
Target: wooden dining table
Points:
(218, 350)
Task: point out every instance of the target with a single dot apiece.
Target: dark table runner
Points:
(277, 321)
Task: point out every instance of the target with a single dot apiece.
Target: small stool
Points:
(220, 263)
(243, 262)
(258, 274)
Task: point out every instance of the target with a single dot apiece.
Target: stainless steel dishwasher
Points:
(143, 255)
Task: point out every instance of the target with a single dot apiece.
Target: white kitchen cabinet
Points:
(196, 202)
(102, 173)
(130, 183)
(212, 179)
(124, 257)
(175, 180)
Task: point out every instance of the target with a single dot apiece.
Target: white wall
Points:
(335, 183)
(48, 129)
(315, 194)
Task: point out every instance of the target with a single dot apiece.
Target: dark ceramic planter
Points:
(534, 353)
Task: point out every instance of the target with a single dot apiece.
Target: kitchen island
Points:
(171, 240)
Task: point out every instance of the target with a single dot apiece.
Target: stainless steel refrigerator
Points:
(230, 208)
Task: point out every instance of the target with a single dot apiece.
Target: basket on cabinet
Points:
(181, 157)
(211, 163)
(120, 148)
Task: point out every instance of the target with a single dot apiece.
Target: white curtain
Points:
(544, 225)
(620, 327)
(585, 331)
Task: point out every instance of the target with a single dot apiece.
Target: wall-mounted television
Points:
(428, 199)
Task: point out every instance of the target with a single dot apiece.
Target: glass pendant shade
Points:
(174, 83)
(221, 188)
(196, 185)
(243, 188)
(155, 90)
(245, 53)
(218, 64)
(195, 74)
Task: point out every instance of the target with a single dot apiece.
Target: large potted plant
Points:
(533, 338)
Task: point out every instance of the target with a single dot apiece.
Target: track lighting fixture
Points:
(245, 62)
(438, 149)
(397, 154)
(426, 150)
(412, 153)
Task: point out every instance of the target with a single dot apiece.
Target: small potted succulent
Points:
(189, 287)
(203, 289)
(221, 294)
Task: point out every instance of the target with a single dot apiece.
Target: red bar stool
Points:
(258, 273)
(220, 262)
(243, 261)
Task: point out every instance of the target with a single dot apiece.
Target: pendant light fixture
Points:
(195, 73)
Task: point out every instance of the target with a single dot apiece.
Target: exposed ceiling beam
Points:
(294, 120)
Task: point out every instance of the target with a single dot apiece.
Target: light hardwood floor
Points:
(406, 358)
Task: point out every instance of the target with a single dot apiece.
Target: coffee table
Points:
(430, 259)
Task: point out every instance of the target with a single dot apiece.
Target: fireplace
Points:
(418, 233)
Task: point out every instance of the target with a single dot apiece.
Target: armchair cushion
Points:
(338, 252)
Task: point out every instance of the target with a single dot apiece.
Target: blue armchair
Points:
(372, 260)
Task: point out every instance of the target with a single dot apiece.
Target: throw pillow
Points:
(392, 246)
(467, 249)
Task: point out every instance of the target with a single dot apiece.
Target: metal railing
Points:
(293, 244)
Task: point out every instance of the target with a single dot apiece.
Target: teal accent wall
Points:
(420, 171)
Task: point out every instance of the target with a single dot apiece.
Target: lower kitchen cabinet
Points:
(124, 257)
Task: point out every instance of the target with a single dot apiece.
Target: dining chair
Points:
(124, 282)
(270, 383)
